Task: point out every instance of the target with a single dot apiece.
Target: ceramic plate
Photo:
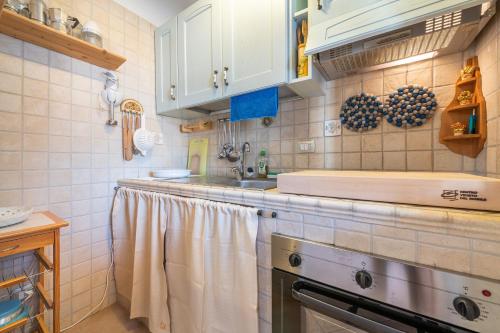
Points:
(171, 173)
(13, 215)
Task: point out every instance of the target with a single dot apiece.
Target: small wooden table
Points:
(40, 230)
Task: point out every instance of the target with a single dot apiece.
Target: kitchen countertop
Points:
(457, 222)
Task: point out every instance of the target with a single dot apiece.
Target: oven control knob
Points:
(363, 279)
(294, 259)
(467, 308)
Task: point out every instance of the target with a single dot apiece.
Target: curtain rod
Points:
(260, 212)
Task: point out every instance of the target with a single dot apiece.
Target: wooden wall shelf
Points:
(466, 82)
(466, 107)
(468, 144)
(462, 137)
(20, 27)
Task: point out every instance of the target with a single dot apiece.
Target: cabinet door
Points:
(254, 44)
(200, 53)
(166, 66)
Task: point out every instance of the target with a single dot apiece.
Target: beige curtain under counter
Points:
(211, 262)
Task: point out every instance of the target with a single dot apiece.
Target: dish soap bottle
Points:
(262, 167)
(472, 122)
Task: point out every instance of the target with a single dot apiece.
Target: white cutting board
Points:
(457, 190)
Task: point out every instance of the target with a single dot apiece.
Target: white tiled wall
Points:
(57, 153)
(387, 147)
(488, 53)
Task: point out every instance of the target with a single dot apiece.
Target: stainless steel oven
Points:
(320, 288)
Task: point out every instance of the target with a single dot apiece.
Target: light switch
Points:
(333, 128)
(306, 146)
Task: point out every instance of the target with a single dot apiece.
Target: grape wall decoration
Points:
(361, 112)
(410, 106)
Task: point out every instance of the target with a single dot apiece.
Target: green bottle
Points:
(262, 165)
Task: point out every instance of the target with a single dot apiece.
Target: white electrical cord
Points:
(91, 312)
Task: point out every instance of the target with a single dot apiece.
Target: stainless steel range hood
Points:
(438, 34)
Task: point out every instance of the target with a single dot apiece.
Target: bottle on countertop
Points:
(262, 164)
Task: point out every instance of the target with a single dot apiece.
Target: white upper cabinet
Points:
(254, 44)
(216, 49)
(200, 53)
(166, 66)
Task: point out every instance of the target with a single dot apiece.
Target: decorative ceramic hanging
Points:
(410, 106)
(361, 112)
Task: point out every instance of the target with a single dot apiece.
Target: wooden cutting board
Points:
(197, 156)
(457, 190)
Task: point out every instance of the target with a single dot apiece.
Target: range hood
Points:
(354, 36)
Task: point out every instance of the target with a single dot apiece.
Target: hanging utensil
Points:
(137, 124)
(226, 147)
(127, 155)
(234, 155)
(220, 140)
(144, 140)
(130, 134)
(111, 120)
(111, 96)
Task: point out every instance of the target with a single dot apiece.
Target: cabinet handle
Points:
(320, 6)
(10, 248)
(215, 79)
(172, 94)
(226, 82)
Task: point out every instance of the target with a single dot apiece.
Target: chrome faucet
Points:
(239, 171)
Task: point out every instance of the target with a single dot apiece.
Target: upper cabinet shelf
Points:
(25, 29)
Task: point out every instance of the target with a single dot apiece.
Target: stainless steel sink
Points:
(259, 184)
(256, 183)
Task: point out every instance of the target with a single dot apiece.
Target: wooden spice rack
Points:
(467, 144)
(23, 238)
(28, 30)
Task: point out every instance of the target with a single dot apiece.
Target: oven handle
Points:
(336, 312)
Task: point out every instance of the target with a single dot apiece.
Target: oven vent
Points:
(444, 34)
(443, 22)
(341, 51)
(373, 56)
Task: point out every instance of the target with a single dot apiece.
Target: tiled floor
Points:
(112, 319)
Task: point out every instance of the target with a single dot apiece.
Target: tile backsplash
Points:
(56, 153)
(384, 148)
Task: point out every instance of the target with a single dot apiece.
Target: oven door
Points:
(304, 306)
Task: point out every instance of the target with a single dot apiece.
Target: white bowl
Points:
(13, 215)
(171, 173)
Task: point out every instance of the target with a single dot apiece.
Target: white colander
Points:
(144, 140)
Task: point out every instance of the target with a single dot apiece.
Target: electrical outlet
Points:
(333, 128)
(306, 146)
